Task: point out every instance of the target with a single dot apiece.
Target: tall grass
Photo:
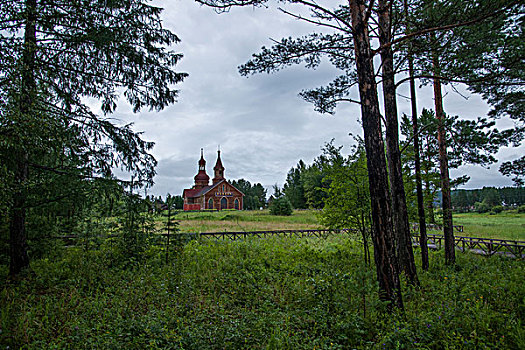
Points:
(252, 220)
(505, 225)
(278, 293)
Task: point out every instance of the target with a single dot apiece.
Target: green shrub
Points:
(273, 293)
(481, 207)
(497, 209)
(281, 206)
(521, 209)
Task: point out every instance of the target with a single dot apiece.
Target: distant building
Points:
(219, 195)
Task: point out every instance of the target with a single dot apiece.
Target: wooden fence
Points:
(484, 246)
(264, 234)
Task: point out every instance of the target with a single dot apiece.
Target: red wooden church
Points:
(219, 195)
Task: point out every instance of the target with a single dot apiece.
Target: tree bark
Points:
(17, 225)
(382, 233)
(428, 189)
(450, 253)
(423, 239)
(405, 252)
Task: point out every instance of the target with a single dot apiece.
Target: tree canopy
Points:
(57, 58)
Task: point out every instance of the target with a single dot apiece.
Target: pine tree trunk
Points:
(405, 252)
(423, 240)
(429, 197)
(17, 226)
(450, 254)
(382, 233)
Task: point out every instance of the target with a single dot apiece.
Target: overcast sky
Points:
(261, 124)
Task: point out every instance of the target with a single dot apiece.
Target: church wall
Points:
(229, 192)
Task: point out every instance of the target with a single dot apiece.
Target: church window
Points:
(210, 203)
(236, 204)
(224, 203)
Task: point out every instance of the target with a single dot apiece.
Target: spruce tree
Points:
(56, 55)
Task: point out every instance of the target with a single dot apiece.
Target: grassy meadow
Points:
(505, 225)
(248, 220)
(274, 293)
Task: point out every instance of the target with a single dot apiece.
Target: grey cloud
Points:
(261, 124)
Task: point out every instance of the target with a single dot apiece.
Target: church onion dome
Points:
(201, 176)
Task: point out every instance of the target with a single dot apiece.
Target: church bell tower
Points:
(201, 179)
(218, 169)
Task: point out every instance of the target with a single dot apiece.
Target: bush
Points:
(281, 206)
(521, 209)
(497, 209)
(481, 207)
(274, 293)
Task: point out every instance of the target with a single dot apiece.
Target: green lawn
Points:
(505, 225)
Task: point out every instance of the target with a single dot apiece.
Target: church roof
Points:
(202, 176)
(194, 192)
(218, 164)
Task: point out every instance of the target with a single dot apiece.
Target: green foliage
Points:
(521, 209)
(472, 142)
(497, 209)
(281, 206)
(178, 202)
(254, 196)
(314, 185)
(294, 188)
(481, 207)
(515, 168)
(55, 56)
(135, 230)
(348, 197)
(274, 293)
(174, 241)
(510, 197)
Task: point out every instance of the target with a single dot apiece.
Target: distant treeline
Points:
(487, 198)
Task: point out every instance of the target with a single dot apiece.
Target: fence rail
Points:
(436, 227)
(264, 234)
(484, 246)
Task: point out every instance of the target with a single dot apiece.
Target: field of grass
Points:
(505, 225)
(247, 220)
(279, 293)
